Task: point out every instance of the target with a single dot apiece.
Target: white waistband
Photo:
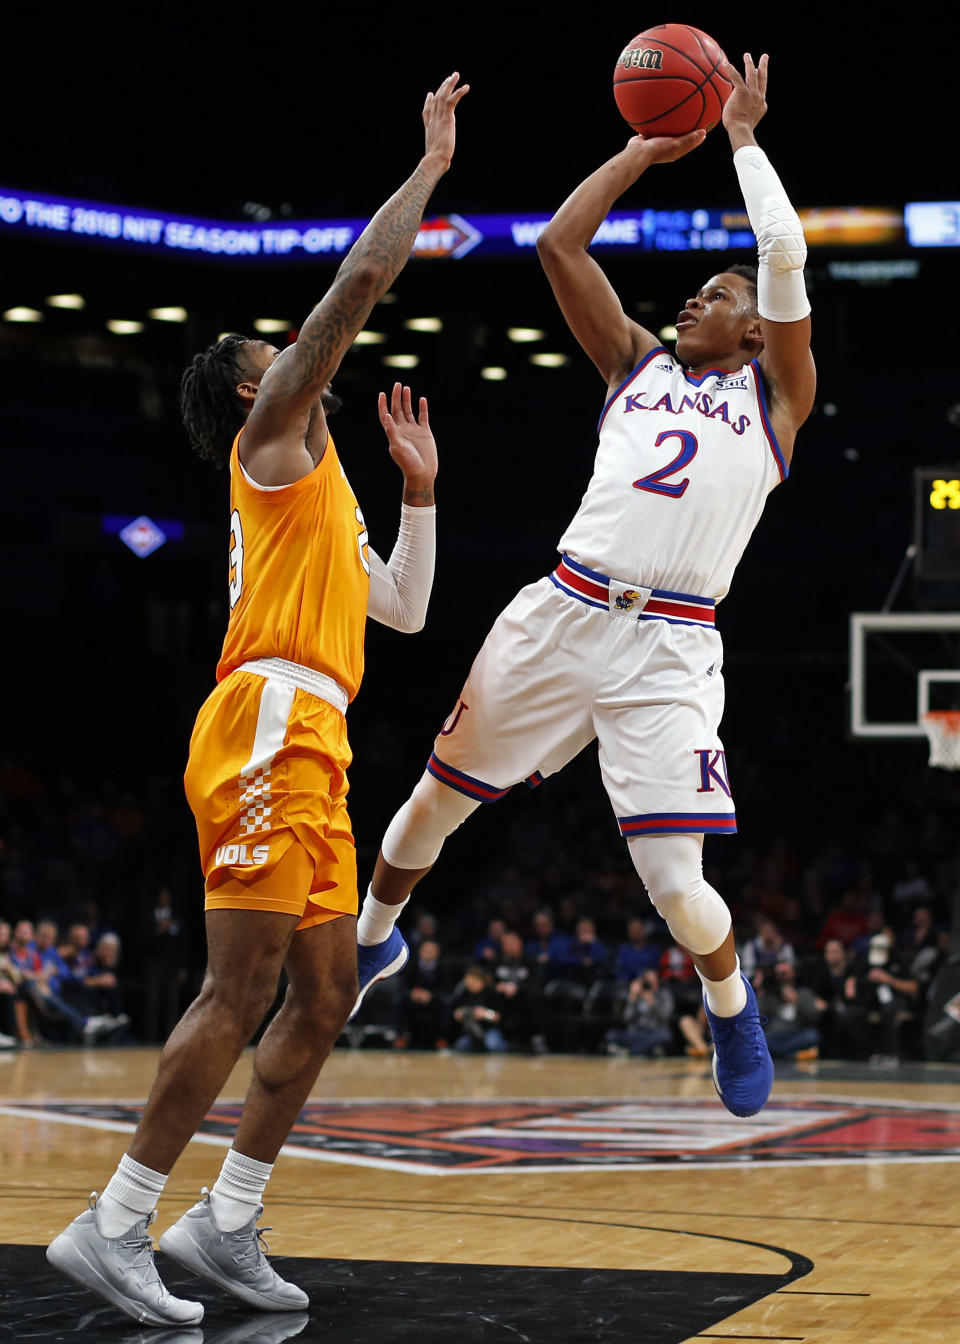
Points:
(304, 678)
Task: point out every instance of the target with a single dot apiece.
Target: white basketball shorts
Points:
(578, 656)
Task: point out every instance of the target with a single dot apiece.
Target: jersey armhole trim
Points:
(300, 483)
(761, 383)
(657, 350)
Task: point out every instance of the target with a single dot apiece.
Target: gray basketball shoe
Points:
(121, 1269)
(233, 1261)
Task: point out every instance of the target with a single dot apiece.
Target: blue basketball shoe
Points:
(742, 1067)
(378, 962)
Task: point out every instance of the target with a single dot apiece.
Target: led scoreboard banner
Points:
(446, 236)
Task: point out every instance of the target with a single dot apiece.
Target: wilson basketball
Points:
(669, 81)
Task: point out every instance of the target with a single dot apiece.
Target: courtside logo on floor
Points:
(439, 1137)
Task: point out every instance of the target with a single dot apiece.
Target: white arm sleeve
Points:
(781, 246)
(400, 588)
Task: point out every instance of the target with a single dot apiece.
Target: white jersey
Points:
(682, 472)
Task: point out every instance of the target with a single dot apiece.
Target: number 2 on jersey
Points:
(656, 482)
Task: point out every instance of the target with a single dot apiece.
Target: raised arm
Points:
(400, 587)
(274, 447)
(782, 250)
(594, 314)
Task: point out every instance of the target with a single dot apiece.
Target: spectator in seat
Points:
(25, 962)
(53, 991)
(425, 930)
(842, 1024)
(887, 994)
(547, 949)
(14, 1019)
(477, 1014)
(520, 1011)
(635, 955)
(678, 972)
(424, 1009)
(586, 958)
(791, 1012)
(77, 951)
(847, 921)
(489, 947)
(765, 951)
(876, 923)
(647, 1018)
(104, 980)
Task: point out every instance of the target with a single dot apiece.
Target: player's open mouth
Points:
(685, 318)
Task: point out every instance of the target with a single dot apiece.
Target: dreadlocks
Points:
(212, 412)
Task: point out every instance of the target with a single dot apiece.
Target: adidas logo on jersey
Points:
(236, 856)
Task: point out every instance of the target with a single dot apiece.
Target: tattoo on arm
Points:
(418, 496)
(367, 272)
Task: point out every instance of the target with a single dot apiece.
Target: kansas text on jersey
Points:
(682, 472)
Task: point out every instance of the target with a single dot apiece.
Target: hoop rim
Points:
(942, 727)
(946, 719)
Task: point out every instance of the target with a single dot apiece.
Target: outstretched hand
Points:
(439, 122)
(747, 104)
(666, 148)
(411, 442)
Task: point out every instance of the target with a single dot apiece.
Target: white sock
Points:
(130, 1194)
(238, 1192)
(726, 997)
(376, 921)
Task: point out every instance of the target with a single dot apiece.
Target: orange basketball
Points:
(669, 80)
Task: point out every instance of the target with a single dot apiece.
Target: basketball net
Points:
(942, 727)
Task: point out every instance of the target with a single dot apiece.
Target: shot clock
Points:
(936, 532)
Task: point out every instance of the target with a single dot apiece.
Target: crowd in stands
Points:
(550, 946)
(559, 949)
(92, 950)
(637, 993)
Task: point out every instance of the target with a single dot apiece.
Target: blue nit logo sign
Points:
(142, 536)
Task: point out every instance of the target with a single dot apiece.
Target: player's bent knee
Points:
(671, 869)
(416, 834)
(322, 1006)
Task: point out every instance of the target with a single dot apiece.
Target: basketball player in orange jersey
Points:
(619, 643)
(266, 777)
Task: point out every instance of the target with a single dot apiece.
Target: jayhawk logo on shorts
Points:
(627, 600)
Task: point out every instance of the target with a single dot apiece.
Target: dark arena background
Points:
(425, 1194)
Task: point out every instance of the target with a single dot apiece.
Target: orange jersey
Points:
(299, 572)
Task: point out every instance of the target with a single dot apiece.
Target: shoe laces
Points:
(251, 1244)
(139, 1256)
(251, 1247)
(751, 1026)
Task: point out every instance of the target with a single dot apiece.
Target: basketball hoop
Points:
(942, 727)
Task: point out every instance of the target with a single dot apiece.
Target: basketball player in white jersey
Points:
(619, 643)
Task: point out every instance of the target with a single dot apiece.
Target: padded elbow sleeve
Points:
(781, 246)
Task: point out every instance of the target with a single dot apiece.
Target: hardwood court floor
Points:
(550, 1199)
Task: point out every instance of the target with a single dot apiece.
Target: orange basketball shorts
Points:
(266, 780)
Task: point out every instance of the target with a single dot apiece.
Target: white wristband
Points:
(781, 246)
